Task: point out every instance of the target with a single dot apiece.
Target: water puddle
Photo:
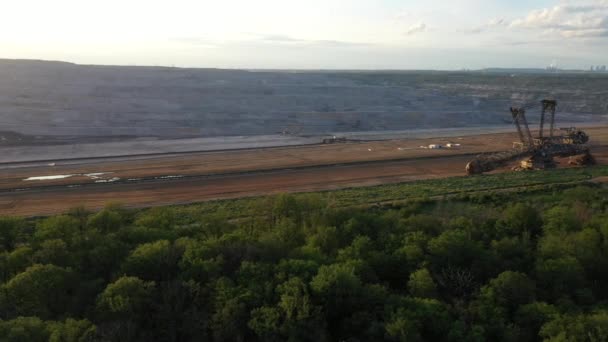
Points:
(96, 175)
(93, 176)
(39, 178)
(169, 177)
(111, 180)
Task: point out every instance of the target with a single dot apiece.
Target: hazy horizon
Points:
(496, 67)
(326, 35)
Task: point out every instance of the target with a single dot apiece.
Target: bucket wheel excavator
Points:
(536, 153)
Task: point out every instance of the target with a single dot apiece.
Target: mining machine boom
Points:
(537, 152)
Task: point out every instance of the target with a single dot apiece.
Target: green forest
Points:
(425, 261)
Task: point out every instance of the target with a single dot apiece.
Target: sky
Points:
(311, 34)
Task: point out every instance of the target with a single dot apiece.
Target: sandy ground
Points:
(44, 202)
(197, 177)
(146, 146)
(150, 146)
(239, 161)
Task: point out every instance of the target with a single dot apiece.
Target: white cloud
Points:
(280, 38)
(492, 24)
(415, 29)
(198, 41)
(568, 20)
(403, 15)
(285, 39)
(251, 38)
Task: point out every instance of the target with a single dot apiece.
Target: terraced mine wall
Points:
(63, 100)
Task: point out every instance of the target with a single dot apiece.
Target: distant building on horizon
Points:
(598, 68)
(552, 68)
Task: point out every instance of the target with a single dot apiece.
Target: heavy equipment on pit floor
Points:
(536, 153)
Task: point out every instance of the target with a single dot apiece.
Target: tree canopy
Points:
(520, 266)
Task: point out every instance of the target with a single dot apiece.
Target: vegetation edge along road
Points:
(387, 194)
(482, 264)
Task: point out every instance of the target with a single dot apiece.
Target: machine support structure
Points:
(537, 151)
(515, 114)
(519, 117)
(548, 106)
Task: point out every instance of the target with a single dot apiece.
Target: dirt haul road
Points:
(197, 177)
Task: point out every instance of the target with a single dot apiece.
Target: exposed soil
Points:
(39, 98)
(220, 175)
(209, 163)
(43, 202)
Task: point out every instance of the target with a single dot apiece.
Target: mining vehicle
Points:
(536, 153)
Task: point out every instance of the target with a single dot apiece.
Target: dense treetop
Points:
(526, 266)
